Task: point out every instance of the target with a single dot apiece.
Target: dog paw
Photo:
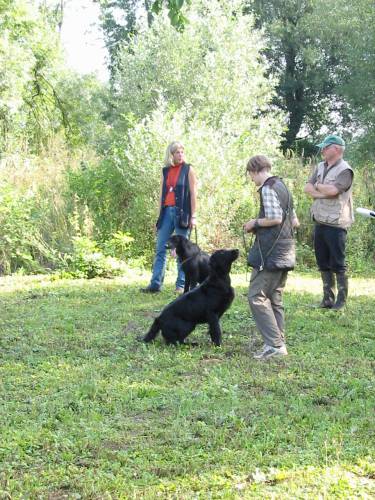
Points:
(192, 344)
(141, 338)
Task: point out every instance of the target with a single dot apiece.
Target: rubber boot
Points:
(328, 279)
(342, 294)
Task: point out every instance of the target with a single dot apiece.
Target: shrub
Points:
(21, 244)
(87, 261)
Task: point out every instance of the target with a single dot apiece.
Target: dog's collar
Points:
(189, 258)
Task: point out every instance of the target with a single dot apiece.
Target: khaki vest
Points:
(337, 211)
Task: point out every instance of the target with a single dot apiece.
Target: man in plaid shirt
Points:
(271, 256)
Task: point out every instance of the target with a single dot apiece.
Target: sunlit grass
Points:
(87, 411)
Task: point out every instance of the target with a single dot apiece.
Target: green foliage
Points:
(324, 63)
(122, 20)
(82, 159)
(31, 111)
(88, 411)
(21, 243)
(14, 222)
(178, 20)
(87, 261)
(87, 107)
(36, 212)
(357, 86)
(211, 64)
(118, 245)
(119, 24)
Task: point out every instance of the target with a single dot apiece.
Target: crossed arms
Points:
(319, 190)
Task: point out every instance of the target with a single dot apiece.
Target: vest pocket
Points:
(253, 257)
(326, 210)
(282, 257)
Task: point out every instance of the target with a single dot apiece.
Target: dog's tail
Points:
(152, 333)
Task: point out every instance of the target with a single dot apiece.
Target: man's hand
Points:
(249, 226)
(295, 222)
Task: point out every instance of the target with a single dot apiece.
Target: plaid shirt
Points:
(271, 203)
(272, 207)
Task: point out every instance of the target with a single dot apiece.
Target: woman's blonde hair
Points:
(171, 149)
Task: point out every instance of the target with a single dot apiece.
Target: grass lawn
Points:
(86, 411)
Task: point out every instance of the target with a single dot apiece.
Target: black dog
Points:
(205, 304)
(194, 262)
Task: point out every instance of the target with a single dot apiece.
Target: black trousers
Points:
(329, 246)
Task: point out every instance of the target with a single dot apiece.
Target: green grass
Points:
(86, 411)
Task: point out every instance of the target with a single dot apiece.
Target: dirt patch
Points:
(211, 360)
(132, 327)
(149, 314)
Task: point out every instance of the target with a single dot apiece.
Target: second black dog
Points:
(194, 262)
(205, 304)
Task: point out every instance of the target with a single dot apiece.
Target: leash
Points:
(196, 242)
(246, 248)
(189, 258)
(195, 233)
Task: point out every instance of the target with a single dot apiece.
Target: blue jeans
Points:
(169, 224)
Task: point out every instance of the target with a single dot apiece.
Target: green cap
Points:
(331, 139)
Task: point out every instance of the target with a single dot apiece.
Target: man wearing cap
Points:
(330, 186)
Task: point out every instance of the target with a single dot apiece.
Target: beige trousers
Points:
(266, 304)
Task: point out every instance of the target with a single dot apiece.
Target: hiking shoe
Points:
(149, 289)
(179, 291)
(271, 352)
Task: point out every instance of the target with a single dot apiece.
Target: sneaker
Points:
(149, 289)
(260, 351)
(179, 291)
(271, 352)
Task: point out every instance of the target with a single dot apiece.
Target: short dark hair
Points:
(258, 163)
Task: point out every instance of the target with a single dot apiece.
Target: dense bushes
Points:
(90, 190)
(46, 222)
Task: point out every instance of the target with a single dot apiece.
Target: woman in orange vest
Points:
(178, 202)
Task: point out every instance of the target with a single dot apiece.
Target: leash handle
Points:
(244, 241)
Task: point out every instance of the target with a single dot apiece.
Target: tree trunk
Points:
(294, 95)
